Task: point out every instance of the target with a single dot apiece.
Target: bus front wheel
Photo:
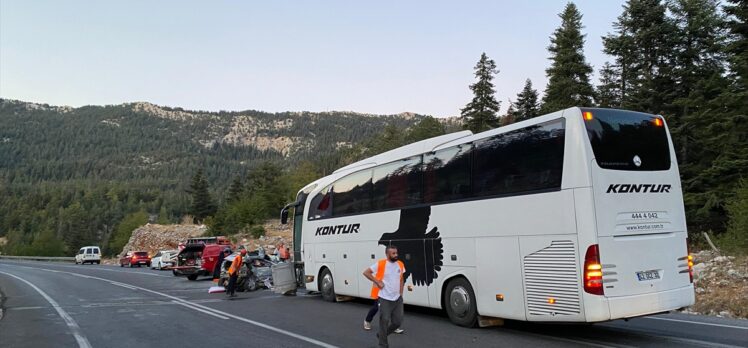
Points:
(460, 303)
(327, 286)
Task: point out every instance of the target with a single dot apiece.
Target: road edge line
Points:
(700, 323)
(71, 323)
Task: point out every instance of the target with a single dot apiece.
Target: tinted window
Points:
(352, 194)
(96, 250)
(622, 139)
(321, 204)
(447, 174)
(397, 184)
(89, 251)
(527, 159)
(81, 251)
(141, 253)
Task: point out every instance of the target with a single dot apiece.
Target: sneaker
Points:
(367, 325)
(399, 331)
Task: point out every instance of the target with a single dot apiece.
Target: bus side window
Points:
(528, 159)
(321, 204)
(447, 174)
(397, 184)
(352, 194)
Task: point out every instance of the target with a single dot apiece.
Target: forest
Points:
(89, 175)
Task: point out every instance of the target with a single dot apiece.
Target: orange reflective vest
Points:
(235, 265)
(381, 265)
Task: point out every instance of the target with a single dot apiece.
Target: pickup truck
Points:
(197, 259)
(135, 258)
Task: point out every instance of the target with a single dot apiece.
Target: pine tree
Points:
(163, 216)
(235, 190)
(569, 74)
(737, 48)
(526, 106)
(608, 94)
(642, 47)
(202, 203)
(480, 113)
(717, 156)
(510, 116)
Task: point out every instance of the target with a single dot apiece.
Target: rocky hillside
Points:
(153, 237)
(40, 142)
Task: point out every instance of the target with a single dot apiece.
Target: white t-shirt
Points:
(391, 279)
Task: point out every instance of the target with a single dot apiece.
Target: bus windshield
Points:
(627, 140)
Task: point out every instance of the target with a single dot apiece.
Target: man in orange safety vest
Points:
(387, 276)
(236, 265)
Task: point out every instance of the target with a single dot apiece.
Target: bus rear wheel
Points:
(459, 300)
(327, 286)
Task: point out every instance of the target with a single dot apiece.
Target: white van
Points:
(91, 254)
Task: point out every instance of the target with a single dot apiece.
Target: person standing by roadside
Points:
(387, 276)
(219, 264)
(236, 265)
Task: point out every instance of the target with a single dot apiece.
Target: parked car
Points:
(90, 254)
(135, 258)
(164, 259)
(197, 259)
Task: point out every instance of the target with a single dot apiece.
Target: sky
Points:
(382, 57)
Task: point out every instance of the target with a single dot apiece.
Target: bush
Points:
(257, 231)
(735, 240)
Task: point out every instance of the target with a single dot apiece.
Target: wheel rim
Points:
(327, 283)
(459, 301)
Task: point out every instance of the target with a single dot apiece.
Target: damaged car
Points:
(254, 274)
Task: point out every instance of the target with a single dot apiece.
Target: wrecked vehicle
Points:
(197, 259)
(254, 274)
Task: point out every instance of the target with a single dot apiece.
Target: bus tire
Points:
(459, 301)
(327, 285)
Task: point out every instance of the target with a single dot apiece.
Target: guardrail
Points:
(39, 258)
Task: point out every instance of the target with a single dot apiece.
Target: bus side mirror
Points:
(284, 216)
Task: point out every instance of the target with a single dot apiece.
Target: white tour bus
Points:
(574, 216)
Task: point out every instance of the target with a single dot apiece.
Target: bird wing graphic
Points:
(421, 252)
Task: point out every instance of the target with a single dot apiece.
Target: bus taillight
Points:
(593, 271)
(690, 264)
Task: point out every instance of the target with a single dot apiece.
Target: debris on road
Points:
(216, 289)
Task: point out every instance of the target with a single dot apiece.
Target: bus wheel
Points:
(460, 303)
(327, 286)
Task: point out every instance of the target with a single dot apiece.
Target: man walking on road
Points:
(387, 276)
(236, 265)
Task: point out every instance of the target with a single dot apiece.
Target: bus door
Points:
(638, 201)
(298, 220)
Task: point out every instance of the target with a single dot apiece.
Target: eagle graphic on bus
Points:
(412, 240)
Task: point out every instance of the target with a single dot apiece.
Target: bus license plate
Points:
(647, 275)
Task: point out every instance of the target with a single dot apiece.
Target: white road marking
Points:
(569, 340)
(700, 323)
(74, 328)
(201, 308)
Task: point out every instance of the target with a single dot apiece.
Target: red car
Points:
(135, 258)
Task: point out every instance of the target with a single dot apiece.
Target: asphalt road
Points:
(66, 305)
